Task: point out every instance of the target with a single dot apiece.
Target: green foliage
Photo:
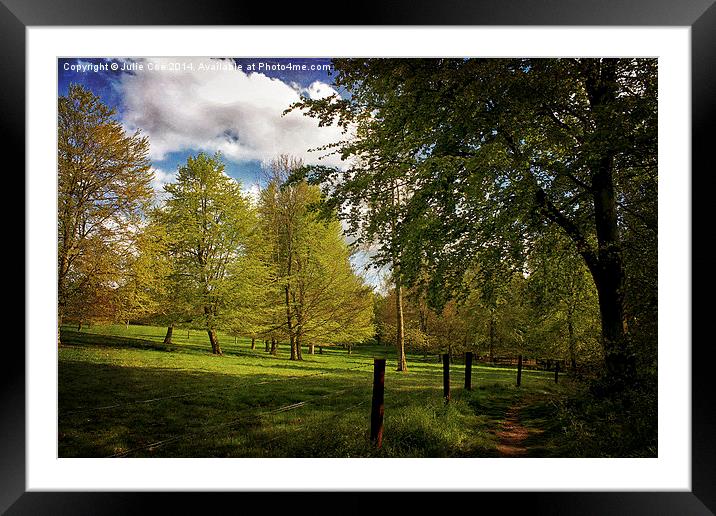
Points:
(487, 153)
(323, 300)
(209, 222)
(564, 300)
(142, 290)
(609, 426)
(103, 191)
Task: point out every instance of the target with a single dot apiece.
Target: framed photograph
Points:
(233, 107)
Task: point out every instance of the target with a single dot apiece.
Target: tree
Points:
(563, 298)
(369, 196)
(249, 309)
(208, 221)
(322, 298)
(493, 150)
(143, 289)
(103, 189)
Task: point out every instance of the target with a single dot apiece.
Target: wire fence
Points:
(245, 417)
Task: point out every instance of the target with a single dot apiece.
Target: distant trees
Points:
(322, 298)
(103, 190)
(564, 300)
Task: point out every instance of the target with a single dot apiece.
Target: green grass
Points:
(124, 393)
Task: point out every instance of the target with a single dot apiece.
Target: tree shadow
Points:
(80, 339)
(107, 410)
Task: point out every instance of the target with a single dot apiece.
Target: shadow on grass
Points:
(492, 400)
(79, 339)
(542, 416)
(106, 410)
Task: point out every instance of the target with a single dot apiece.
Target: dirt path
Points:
(512, 434)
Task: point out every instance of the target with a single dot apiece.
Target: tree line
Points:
(206, 256)
(513, 202)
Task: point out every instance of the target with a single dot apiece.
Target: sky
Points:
(231, 105)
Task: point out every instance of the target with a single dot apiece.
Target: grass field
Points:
(124, 393)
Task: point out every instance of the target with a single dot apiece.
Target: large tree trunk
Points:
(618, 360)
(400, 328)
(605, 262)
(168, 336)
(400, 333)
(213, 339)
(292, 344)
(274, 347)
(289, 321)
(608, 273)
(215, 348)
(608, 269)
(266, 345)
(59, 326)
(61, 295)
(209, 314)
(253, 342)
(311, 349)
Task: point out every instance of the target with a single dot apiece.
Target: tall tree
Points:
(322, 298)
(492, 149)
(209, 221)
(103, 189)
(369, 195)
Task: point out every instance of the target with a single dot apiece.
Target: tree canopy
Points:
(103, 191)
(489, 153)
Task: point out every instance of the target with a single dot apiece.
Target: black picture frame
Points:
(699, 15)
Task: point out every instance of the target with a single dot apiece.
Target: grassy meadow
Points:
(123, 393)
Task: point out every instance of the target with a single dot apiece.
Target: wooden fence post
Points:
(556, 372)
(446, 377)
(519, 370)
(468, 371)
(377, 405)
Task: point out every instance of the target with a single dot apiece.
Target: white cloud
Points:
(251, 190)
(159, 179)
(230, 111)
(319, 90)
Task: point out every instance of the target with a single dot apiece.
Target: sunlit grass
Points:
(123, 392)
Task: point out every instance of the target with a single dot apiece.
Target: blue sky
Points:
(189, 105)
(134, 93)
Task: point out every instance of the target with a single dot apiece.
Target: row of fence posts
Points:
(378, 402)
